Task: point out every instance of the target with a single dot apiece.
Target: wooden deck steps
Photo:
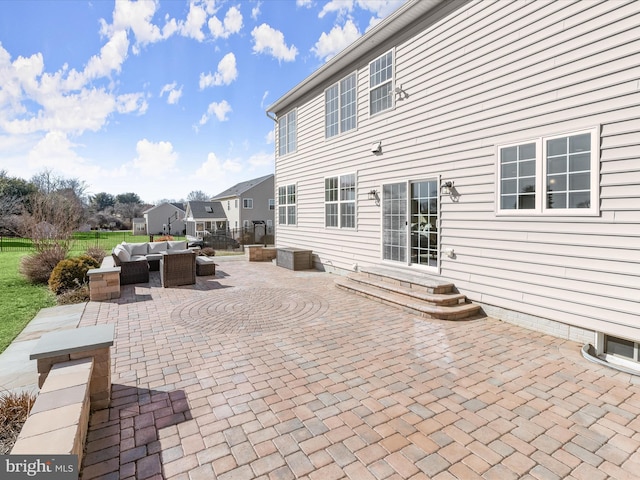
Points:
(417, 292)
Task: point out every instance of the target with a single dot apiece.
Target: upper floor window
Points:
(287, 133)
(287, 205)
(272, 204)
(340, 201)
(247, 203)
(381, 83)
(340, 106)
(236, 203)
(551, 175)
(228, 204)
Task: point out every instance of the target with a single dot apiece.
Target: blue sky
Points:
(159, 97)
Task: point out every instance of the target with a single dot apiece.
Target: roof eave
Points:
(385, 30)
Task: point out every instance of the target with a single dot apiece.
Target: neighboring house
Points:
(495, 145)
(165, 219)
(248, 203)
(205, 217)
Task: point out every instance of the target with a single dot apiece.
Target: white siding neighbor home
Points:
(491, 144)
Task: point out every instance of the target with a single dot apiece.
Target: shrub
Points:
(70, 297)
(208, 251)
(14, 410)
(71, 273)
(96, 253)
(37, 267)
(163, 238)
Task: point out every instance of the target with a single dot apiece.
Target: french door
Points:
(410, 222)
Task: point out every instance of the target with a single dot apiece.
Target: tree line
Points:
(51, 206)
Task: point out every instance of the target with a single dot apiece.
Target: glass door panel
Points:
(424, 223)
(394, 222)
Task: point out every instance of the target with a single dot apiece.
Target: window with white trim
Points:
(381, 83)
(340, 106)
(340, 201)
(247, 203)
(553, 175)
(272, 204)
(287, 133)
(287, 205)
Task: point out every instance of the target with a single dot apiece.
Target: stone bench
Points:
(59, 418)
(104, 282)
(260, 253)
(65, 345)
(74, 369)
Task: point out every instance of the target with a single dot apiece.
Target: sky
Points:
(160, 98)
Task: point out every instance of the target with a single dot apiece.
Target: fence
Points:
(81, 241)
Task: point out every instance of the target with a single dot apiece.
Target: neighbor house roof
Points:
(239, 188)
(177, 205)
(399, 23)
(210, 210)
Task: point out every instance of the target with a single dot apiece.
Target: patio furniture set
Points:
(177, 263)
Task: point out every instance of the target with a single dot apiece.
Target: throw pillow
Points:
(138, 248)
(122, 253)
(177, 245)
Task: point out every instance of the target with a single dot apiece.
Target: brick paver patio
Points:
(264, 373)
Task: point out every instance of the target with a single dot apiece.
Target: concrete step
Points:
(413, 304)
(415, 293)
(410, 279)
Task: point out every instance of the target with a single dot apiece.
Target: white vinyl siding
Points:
(340, 201)
(287, 133)
(381, 83)
(340, 106)
(492, 75)
(287, 214)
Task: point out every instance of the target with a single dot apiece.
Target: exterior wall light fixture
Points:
(445, 187)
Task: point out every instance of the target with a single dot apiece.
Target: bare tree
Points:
(54, 218)
(198, 196)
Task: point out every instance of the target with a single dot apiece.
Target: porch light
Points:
(372, 195)
(445, 187)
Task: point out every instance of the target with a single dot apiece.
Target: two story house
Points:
(495, 145)
(250, 205)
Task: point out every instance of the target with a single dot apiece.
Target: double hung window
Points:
(247, 203)
(340, 106)
(287, 205)
(340, 201)
(287, 133)
(381, 83)
(555, 175)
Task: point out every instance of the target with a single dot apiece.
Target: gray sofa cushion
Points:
(157, 247)
(177, 245)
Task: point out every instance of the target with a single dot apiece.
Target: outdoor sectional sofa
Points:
(136, 259)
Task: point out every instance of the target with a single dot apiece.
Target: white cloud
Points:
(270, 137)
(342, 7)
(265, 95)
(271, 41)
(155, 158)
(232, 24)
(214, 167)
(174, 93)
(226, 73)
(131, 102)
(135, 16)
(255, 11)
(261, 159)
(192, 26)
(304, 3)
(381, 8)
(336, 40)
(220, 110)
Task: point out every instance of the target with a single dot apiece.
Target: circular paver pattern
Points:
(250, 310)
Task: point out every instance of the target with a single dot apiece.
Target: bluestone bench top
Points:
(63, 342)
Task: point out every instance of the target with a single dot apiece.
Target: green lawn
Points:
(19, 300)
